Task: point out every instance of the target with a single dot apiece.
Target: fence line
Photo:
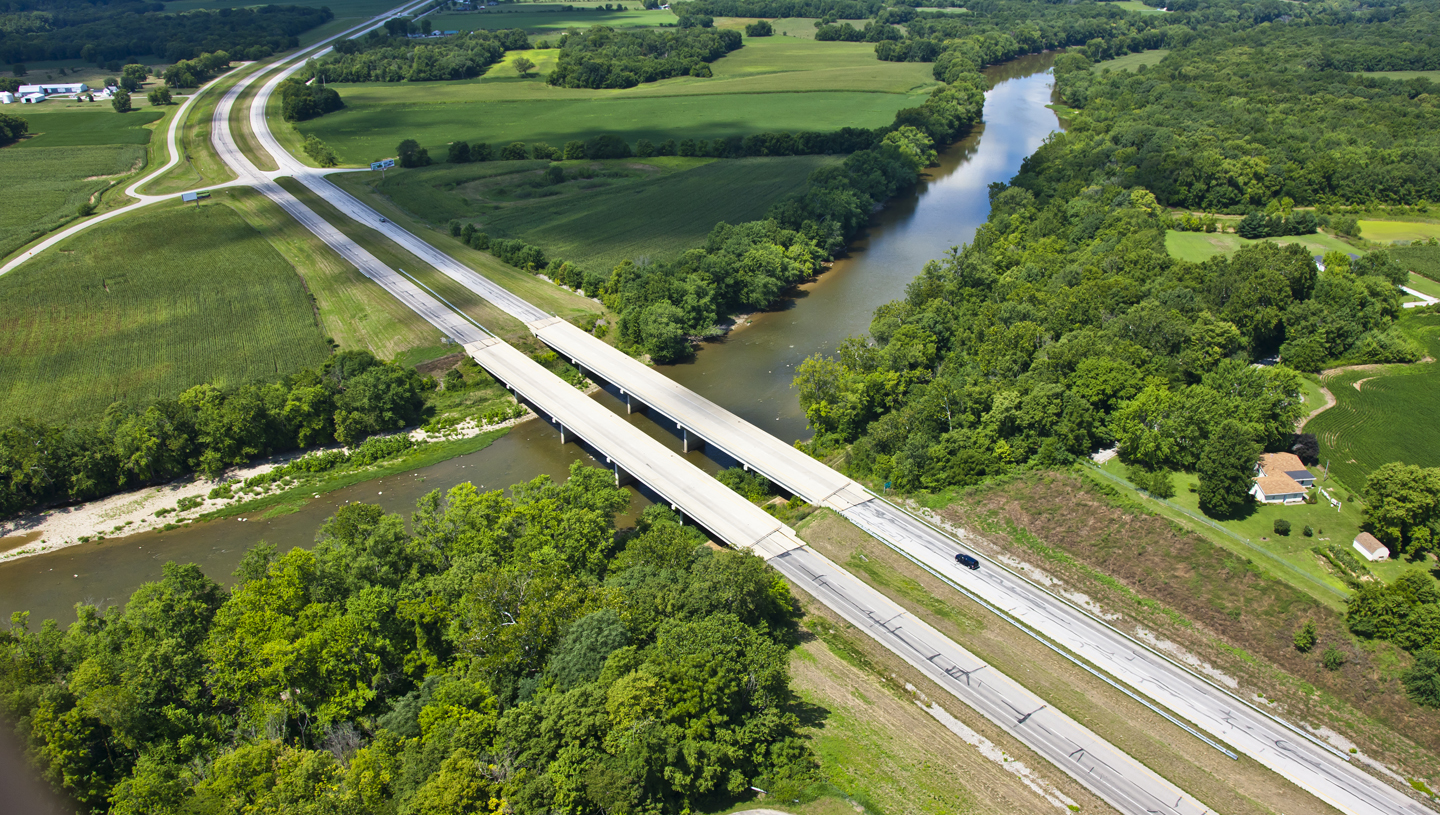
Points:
(1187, 513)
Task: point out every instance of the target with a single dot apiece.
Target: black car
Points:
(967, 561)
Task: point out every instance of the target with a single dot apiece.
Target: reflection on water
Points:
(749, 372)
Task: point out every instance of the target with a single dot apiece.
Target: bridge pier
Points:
(633, 405)
(689, 441)
(563, 437)
(622, 478)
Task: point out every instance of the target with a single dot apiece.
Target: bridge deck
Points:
(741, 440)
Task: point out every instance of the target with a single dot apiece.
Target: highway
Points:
(1098, 765)
(1113, 775)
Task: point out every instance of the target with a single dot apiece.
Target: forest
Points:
(1066, 327)
(377, 57)
(206, 429)
(100, 33)
(602, 57)
(509, 653)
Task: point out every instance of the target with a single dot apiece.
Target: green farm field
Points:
(1130, 62)
(1391, 231)
(145, 306)
(1391, 416)
(655, 207)
(1433, 76)
(1201, 246)
(1422, 260)
(771, 84)
(550, 18)
(73, 157)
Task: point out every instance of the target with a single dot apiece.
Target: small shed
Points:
(7, 98)
(1371, 547)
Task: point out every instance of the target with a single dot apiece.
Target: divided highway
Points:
(1100, 766)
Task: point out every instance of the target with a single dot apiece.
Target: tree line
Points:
(104, 32)
(1066, 327)
(602, 57)
(1226, 124)
(506, 653)
(1407, 613)
(12, 128)
(205, 429)
(377, 57)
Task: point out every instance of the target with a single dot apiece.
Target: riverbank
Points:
(194, 498)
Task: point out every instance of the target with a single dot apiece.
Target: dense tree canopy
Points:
(206, 428)
(507, 654)
(100, 33)
(380, 58)
(602, 57)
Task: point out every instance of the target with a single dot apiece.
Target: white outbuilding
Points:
(7, 98)
(53, 89)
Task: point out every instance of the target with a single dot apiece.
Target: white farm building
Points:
(52, 90)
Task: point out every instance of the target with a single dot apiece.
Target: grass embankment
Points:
(1289, 558)
(354, 311)
(1214, 604)
(483, 312)
(1226, 786)
(245, 138)
(1201, 246)
(1384, 413)
(200, 297)
(770, 84)
(551, 19)
(669, 204)
(542, 294)
(70, 158)
(199, 164)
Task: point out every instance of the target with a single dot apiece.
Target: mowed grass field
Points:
(551, 18)
(1130, 62)
(1392, 416)
(145, 306)
(72, 157)
(1201, 246)
(657, 209)
(1391, 231)
(771, 84)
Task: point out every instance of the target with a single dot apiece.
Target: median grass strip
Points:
(392, 255)
(144, 306)
(199, 164)
(354, 310)
(244, 136)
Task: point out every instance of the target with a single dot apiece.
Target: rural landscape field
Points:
(720, 406)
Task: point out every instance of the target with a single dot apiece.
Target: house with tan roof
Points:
(1281, 478)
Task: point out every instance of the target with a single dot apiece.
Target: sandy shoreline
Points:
(129, 513)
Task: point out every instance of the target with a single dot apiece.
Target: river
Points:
(942, 212)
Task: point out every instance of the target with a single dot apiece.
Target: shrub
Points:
(1306, 637)
(1307, 531)
(189, 502)
(1422, 680)
(1333, 658)
(1282, 526)
(759, 28)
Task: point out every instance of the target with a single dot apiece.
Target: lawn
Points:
(669, 204)
(771, 84)
(1136, 5)
(1391, 231)
(1201, 246)
(1433, 76)
(198, 297)
(1130, 62)
(553, 19)
(1391, 417)
(1424, 285)
(1289, 556)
